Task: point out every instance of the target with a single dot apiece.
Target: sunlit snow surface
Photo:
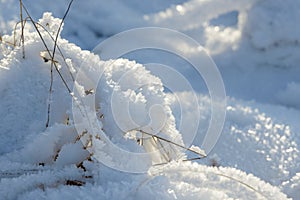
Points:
(256, 46)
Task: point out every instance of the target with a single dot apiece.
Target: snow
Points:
(292, 186)
(290, 95)
(255, 45)
(255, 142)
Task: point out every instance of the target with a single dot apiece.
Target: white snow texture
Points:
(255, 44)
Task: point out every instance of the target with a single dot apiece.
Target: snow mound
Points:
(141, 90)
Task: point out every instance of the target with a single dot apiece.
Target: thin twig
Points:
(51, 68)
(60, 25)
(22, 29)
(241, 182)
(57, 34)
(191, 159)
(50, 95)
(169, 141)
(15, 29)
